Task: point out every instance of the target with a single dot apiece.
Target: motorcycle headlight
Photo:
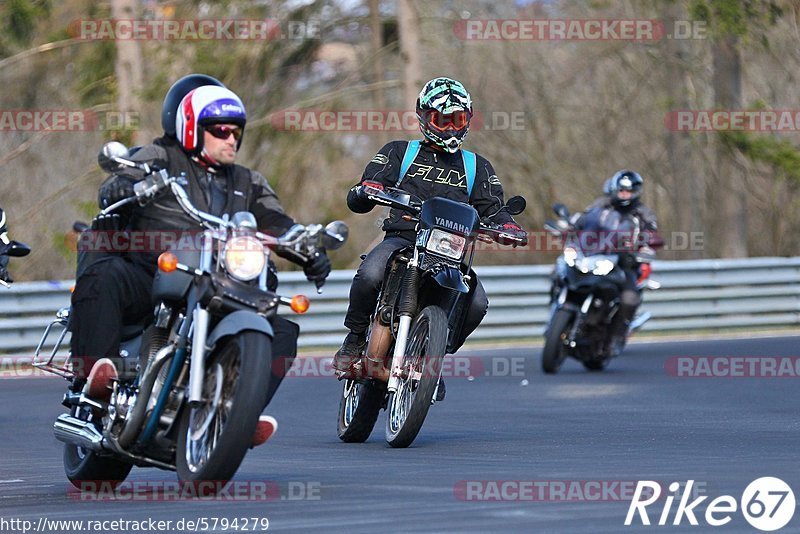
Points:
(569, 256)
(603, 267)
(446, 244)
(244, 258)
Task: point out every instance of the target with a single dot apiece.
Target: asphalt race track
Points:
(495, 456)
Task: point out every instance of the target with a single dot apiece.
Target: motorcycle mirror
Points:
(17, 250)
(516, 205)
(561, 210)
(111, 151)
(335, 235)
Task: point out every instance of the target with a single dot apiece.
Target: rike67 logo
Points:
(767, 503)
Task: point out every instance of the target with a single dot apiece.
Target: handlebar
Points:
(298, 239)
(398, 199)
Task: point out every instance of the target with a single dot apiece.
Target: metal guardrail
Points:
(695, 295)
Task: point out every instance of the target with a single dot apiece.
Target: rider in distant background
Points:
(622, 194)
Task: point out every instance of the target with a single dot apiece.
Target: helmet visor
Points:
(458, 120)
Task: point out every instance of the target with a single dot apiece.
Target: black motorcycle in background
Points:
(587, 283)
(418, 317)
(196, 379)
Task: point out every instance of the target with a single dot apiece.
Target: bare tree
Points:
(408, 27)
(128, 67)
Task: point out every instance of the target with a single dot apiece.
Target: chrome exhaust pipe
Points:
(638, 322)
(75, 431)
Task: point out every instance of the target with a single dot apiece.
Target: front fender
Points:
(451, 278)
(239, 321)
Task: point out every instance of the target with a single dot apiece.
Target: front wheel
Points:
(422, 363)
(553, 354)
(214, 436)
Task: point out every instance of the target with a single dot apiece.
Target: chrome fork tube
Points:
(200, 334)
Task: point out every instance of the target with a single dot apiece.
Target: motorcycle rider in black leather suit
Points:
(622, 194)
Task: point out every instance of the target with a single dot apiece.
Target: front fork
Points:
(200, 322)
(406, 310)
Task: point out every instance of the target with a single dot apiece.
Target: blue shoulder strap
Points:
(411, 154)
(469, 166)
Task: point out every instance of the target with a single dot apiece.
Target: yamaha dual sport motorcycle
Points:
(199, 375)
(587, 284)
(418, 317)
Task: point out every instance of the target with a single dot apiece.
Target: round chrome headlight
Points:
(244, 258)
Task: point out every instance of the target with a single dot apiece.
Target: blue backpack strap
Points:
(469, 166)
(411, 154)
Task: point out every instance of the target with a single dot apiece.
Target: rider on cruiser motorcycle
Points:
(622, 194)
(444, 109)
(203, 127)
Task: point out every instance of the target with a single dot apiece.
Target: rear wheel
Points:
(87, 470)
(408, 407)
(359, 407)
(553, 354)
(214, 436)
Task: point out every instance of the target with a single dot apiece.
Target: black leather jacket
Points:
(232, 188)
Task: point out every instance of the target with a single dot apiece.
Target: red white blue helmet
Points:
(209, 104)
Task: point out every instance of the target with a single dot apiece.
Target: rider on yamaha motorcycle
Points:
(203, 126)
(622, 193)
(444, 109)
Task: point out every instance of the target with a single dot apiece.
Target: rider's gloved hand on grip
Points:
(520, 235)
(362, 190)
(118, 190)
(318, 268)
(357, 199)
(111, 222)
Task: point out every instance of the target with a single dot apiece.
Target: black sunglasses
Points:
(223, 132)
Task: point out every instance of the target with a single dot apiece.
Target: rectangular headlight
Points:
(446, 244)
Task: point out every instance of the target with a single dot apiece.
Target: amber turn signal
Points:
(300, 304)
(168, 262)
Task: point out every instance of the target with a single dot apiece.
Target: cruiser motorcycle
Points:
(199, 375)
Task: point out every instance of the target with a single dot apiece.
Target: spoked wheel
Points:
(408, 407)
(87, 470)
(553, 354)
(359, 407)
(214, 436)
